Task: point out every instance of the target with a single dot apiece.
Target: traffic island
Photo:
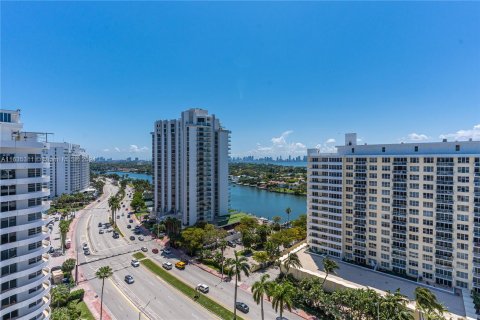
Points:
(190, 292)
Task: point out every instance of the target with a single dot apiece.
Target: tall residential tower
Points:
(25, 276)
(190, 167)
(69, 168)
(409, 208)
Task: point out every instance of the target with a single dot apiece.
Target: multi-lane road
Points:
(127, 301)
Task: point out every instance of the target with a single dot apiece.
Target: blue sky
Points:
(281, 76)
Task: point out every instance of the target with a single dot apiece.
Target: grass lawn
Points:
(138, 255)
(190, 292)
(86, 314)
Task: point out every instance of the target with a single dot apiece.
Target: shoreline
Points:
(265, 189)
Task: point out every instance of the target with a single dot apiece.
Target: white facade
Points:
(190, 167)
(69, 168)
(410, 208)
(25, 275)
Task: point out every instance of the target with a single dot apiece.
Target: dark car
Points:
(242, 307)
(231, 244)
(155, 250)
(129, 279)
(100, 224)
(132, 238)
(115, 235)
(130, 221)
(129, 226)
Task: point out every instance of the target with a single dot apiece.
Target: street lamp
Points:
(76, 269)
(144, 308)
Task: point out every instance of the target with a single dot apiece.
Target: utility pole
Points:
(76, 270)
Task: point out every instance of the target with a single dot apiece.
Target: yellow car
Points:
(180, 265)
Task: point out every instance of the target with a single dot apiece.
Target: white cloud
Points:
(417, 137)
(281, 146)
(331, 140)
(473, 134)
(117, 149)
(136, 149)
(106, 150)
(414, 137)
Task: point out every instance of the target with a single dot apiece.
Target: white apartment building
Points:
(25, 275)
(409, 208)
(190, 167)
(69, 168)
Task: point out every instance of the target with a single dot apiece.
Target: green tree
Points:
(261, 257)
(300, 222)
(192, 239)
(249, 239)
(272, 250)
(329, 267)
(68, 265)
(60, 295)
(292, 260)
(427, 304)
(260, 289)
(114, 204)
(288, 211)
(66, 313)
(282, 297)
(222, 245)
(103, 273)
(237, 266)
(263, 231)
(394, 306)
(276, 222)
(137, 201)
(64, 227)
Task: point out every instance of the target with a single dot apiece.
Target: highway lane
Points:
(165, 301)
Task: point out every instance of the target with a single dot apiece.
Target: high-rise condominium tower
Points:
(25, 276)
(69, 168)
(190, 167)
(410, 208)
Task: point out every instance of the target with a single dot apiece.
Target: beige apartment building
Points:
(412, 209)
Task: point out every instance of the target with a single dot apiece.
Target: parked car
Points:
(100, 224)
(129, 279)
(86, 252)
(144, 249)
(141, 238)
(238, 241)
(135, 263)
(231, 244)
(167, 251)
(132, 238)
(118, 216)
(242, 307)
(129, 226)
(51, 250)
(130, 221)
(167, 265)
(101, 231)
(115, 235)
(85, 246)
(155, 250)
(203, 288)
(180, 265)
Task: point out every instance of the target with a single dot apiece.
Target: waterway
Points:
(256, 201)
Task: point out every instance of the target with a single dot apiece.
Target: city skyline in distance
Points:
(390, 71)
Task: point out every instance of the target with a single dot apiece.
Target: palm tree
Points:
(282, 297)
(114, 204)
(288, 211)
(60, 295)
(222, 245)
(68, 266)
(292, 260)
(427, 304)
(329, 266)
(64, 226)
(103, 273)
(260, 289)
(394, 306)
(237, 266)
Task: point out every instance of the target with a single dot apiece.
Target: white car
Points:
(203, 288)
(167, 265)
(135, 263)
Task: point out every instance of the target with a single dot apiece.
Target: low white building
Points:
(69, 168)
